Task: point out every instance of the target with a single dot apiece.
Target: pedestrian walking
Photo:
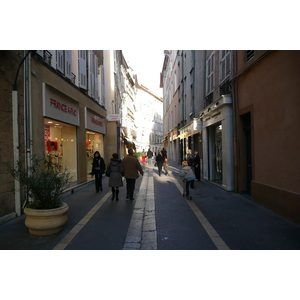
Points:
(159, 162)
(189, 158)
(164, 153)
(115, 172)
(98, 169)
(149, 157)
(166, 166)
(132, 168)
(188, 178)
(197, 165)
(143, 156)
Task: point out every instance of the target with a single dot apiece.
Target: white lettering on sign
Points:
(63, 107)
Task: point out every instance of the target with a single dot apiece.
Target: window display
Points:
(60, 144)
(94, 142)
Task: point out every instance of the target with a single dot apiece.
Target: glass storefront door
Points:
(93, 142)
(218, 154)
(60, 144)
(215, 153)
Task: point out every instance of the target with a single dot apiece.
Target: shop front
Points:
(61, 119)
(95, 130)
(217, 138)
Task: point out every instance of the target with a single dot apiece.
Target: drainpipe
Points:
(16, 145)
(27, 113)
(16, 149)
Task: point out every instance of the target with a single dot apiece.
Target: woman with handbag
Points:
(115, 172)
(98, 168)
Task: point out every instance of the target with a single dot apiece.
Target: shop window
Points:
(93, 142)
(60, 144)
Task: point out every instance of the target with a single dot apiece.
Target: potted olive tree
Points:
(45, 212)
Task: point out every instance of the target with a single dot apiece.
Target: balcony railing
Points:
(47, 57)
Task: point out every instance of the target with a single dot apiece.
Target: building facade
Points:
(60, 112)
(217, 120)
(198, 111)
(149, 117)
(267, 120)
(240, 109)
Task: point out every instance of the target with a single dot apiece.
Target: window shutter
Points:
(82, 69)
(102, 86)
(228, 64)
(207, 78)
(92, 73)
(68, 63)
(60, 60)
(96, 79)
(212, 72)
(222, 65)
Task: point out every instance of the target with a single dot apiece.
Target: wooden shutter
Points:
(92, 73)
(60, 60)
(228, 63)
(222, 65)
(82, 69)
(68, 64)
(96, 80)
(102, 101)
(210, 75)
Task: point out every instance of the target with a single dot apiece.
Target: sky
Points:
(147, 64)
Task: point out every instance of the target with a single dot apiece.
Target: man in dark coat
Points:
(164, 153)
(159, 161)
(132, 168)
(197, 164)
(98, 168)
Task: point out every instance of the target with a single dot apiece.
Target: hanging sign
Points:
(113, 117)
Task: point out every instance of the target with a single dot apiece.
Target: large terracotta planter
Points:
(42, 222)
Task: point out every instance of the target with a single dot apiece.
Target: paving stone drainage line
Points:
(217, 240)
(141, 233)
(70, 236)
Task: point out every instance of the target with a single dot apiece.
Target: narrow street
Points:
(160, 219)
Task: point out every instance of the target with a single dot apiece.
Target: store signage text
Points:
(97, 122)
(63, 107)
(114, 117)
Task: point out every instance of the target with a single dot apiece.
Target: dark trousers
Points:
(187, 185)
(98, 180)
(197, 172)
(159, 165)
(130, 185)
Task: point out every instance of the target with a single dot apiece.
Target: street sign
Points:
(113, 117)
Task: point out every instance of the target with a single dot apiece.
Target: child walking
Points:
(166, 166)
(188, 178)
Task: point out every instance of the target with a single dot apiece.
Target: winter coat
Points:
(116, 173)
(187, 173)
(98, 165)
(149, 154)
(159, 160)
(131, 167)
